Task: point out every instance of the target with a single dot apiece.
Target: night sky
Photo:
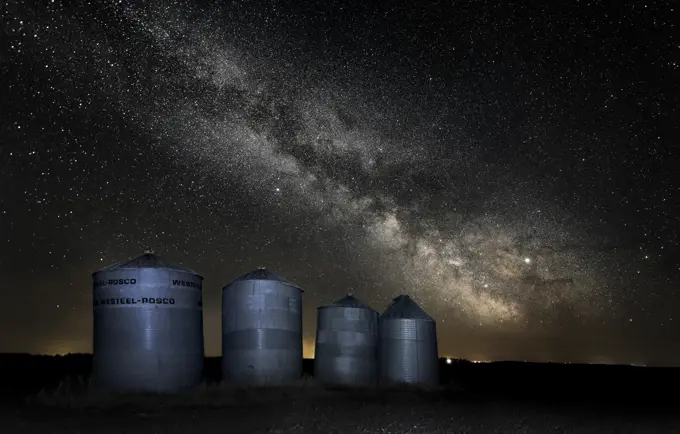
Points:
(513, 168)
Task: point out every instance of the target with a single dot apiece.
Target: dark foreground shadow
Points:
(23, 376)
(53, 394)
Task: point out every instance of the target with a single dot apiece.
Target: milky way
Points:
(413, 193)
(322, 153)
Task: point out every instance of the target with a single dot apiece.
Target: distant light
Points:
(278, 189)
(448, 361)
(527, 260)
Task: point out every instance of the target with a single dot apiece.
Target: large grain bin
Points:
(346, 351)
(148, 326)
(407, 345)
(261, 330)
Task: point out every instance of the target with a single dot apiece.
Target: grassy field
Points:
(464, 405)
(308, 408)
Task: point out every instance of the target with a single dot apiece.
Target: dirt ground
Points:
(321, 411)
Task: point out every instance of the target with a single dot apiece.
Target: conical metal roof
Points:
(263, 274)
(148, 259)
(404, 307)
(348, 301)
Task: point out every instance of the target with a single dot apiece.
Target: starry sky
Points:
(511, 167)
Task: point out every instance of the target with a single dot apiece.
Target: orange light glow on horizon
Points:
(62, 348)
(308, 348)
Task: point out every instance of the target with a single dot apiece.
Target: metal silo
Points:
(346, 350)
(261, 330)
(407, 344)
(148, 326)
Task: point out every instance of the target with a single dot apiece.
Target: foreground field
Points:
(52, 395)
(311, 409)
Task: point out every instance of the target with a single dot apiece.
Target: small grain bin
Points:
(407, 345)
(261, 330)
(346, 350)
(148, 326)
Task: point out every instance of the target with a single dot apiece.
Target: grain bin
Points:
(148, 326)
(407, 346)
(346, 351)
(261, 330)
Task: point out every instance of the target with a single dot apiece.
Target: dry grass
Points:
(79, 393)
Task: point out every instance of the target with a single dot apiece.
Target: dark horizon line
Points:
(442, 359)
